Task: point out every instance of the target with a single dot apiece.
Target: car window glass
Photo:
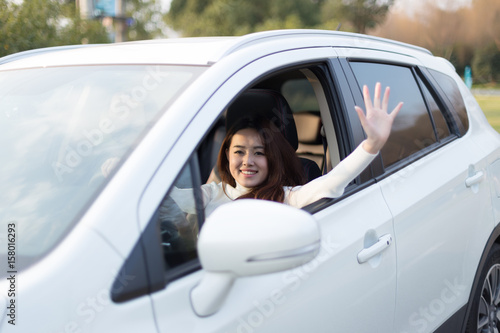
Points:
(412, 130)
(442, 129)
(300, 95)
(303, 102)
(178, 220)
(68, 129)
(452, 93)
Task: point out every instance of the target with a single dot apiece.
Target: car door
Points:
(433, 184)
(352, 277)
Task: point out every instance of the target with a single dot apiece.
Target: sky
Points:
(165, 5)
(411, 6)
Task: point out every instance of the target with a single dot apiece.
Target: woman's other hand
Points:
(377, 123)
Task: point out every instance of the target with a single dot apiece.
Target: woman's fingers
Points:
(385, 102)
(366, 96)
(395, 112)
(377, 105)
(361, 114)
(376, 96)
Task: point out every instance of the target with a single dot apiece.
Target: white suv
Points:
(95, 137)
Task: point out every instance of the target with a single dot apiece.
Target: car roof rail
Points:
(245, 40)
(34, 52)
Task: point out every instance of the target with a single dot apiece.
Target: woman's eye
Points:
(238, 152)
(259, 153)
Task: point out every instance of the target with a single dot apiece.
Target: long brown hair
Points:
(284, 167)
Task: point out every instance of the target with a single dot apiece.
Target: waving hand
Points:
(377, 123)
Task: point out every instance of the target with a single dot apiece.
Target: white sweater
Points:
(331, 185)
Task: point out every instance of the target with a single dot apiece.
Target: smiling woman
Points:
(253, 158)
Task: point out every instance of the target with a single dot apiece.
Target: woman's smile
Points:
(248, 172)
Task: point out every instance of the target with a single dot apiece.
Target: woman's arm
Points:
(332, 184)
(377, 124)
(184, 197)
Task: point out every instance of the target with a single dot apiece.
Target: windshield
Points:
(62, 130)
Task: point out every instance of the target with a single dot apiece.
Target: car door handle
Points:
(381, 245)
(474, 179)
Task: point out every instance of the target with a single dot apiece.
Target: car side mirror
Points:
(250, 237)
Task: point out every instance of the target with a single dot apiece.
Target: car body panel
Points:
(303, 298)
(81, 294)
(441, 205)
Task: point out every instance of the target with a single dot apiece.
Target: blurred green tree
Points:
(360, 15)
(237, 17)
(31, 24)
(35, 24)
(145, 19)
(486, 64)
(75, 30)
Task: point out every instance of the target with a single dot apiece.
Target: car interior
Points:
(294, 100)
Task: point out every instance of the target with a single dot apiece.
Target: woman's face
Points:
(247, 159)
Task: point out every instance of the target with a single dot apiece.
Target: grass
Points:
(491, 108)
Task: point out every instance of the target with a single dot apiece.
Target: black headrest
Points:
(265, 103)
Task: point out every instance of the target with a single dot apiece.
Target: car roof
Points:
(195, 50)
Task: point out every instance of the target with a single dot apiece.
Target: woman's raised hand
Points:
(377, 123)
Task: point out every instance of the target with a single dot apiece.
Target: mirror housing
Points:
(250, 237)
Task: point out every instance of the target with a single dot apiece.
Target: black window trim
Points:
(427, 103)
(345, 119)
(379, 170)
(440, 96)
